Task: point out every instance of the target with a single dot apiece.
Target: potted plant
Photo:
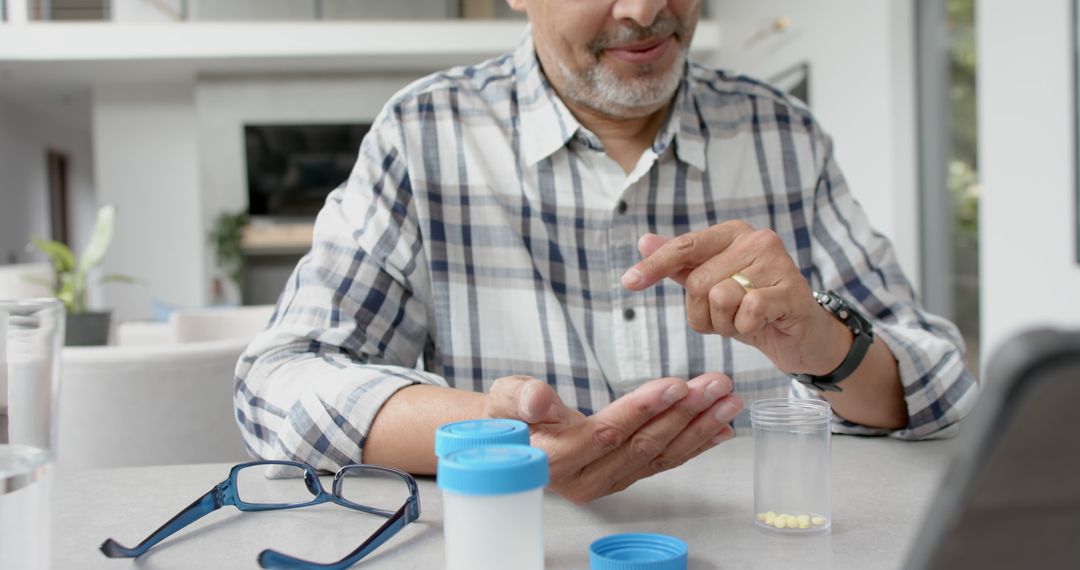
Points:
(71, 278)
(227, 237)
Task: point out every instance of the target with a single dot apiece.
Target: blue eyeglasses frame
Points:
(225, 493)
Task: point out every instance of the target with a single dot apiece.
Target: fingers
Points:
(758, 308)
(717, 312)
(736, 312)
(682, 253)
(725, 433)
(525, 398)
(572, 450)
(699, 435)
(670, 436)
(612, 426)
(701, 298)
(714, 298)
(651, 242)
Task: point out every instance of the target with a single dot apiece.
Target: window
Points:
(949, 165)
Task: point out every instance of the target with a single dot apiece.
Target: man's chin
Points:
(632, 98)
(619, 110)
(619, 91)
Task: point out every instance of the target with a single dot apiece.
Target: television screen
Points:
(291, 168)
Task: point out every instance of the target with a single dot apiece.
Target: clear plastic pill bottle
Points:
(792, 465)
(479, 433)
(493, 507)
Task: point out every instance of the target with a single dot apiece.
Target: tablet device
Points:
(1011, 497)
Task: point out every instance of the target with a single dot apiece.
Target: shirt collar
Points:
(547, 125)
(685, 127)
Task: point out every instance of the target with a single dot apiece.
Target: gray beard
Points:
(601, 90)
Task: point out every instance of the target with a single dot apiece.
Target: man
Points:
(603, 240)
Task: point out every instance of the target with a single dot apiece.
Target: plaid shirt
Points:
(484, 229)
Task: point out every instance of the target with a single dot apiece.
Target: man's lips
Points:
(642, 52)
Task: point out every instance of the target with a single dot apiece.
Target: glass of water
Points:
(31, 333)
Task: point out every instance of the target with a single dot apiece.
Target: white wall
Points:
(25, 137)
(146, 163)
(862, 90)
(224, 105)
(1027, 155)
(170, 157)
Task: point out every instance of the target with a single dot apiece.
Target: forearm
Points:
(403, 433)
(873, 395)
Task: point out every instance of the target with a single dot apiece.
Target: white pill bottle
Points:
(493, 507)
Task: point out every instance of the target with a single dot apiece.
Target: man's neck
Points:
(624, 139)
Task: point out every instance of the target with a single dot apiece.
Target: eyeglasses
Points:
(251, 486)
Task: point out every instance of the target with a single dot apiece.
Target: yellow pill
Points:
(770, 514)
(804, 519)
(792, 521)
(770, 517)
(804, 524)
(817, 520)
(761, 517)
(780, 522)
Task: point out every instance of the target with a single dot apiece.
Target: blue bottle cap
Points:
(638, 551)
(479, 433)
(493, 470)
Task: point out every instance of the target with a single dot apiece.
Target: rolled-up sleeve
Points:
(350, 324)
(857, 262)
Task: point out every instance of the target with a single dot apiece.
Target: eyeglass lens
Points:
(374, 488)
(273, 484)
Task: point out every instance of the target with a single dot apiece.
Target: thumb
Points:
(525, 398)
(649, 243)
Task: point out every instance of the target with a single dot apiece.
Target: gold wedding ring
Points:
(743, 280)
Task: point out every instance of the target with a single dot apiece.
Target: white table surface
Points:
(880, 490)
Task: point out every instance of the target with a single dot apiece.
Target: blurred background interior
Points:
(217, 127)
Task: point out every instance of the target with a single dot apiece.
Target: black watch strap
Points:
(863, 337)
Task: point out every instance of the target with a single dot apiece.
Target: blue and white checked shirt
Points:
(484, 229)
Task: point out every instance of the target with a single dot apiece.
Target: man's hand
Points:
(660, 425)
(778, 315)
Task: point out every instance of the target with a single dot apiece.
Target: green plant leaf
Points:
(65, 291)
(99, 240)
(59, 254)
(78, 290)
(117, 278)
(227, 237)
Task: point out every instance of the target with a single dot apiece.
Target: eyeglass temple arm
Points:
(273, 559)
(202, 506)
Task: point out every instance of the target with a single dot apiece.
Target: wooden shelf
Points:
(276, 239)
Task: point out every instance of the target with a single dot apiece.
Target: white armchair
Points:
(218, 323)
(143, 333)
(149, 405)
(197, 325)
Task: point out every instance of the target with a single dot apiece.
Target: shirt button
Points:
(622, 207)
(628, 314)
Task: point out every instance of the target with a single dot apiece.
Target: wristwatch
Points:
(860, 328)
